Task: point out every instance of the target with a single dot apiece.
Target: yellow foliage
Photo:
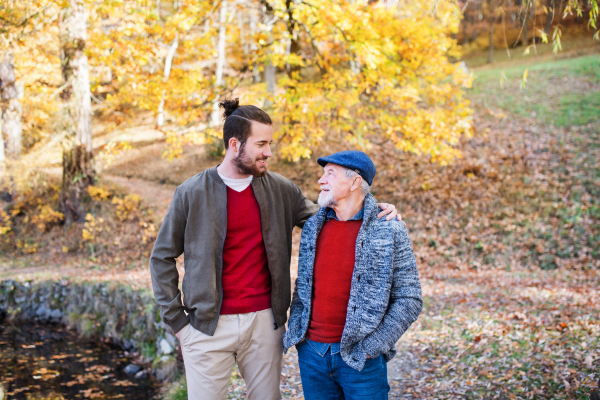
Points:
(5, 223)
(46, 216)
(127, 207)
(149, 232)
(27, 248)
(174, 147)
(92, 227)
(111, 151)
(383, 72)
(97, 193)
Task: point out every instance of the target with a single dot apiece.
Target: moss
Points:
(73, 318)
(177, 390)
(165, 368)
(86, 327)
(148, 350)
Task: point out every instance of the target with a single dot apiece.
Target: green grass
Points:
(571, 47)
(562, 93)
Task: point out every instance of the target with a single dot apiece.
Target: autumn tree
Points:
(78, 171)
(383, 73)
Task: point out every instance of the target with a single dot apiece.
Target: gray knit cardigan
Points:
(385, 297)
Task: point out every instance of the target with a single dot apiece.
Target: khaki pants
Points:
(248, 338)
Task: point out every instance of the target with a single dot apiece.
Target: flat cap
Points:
(354, 160)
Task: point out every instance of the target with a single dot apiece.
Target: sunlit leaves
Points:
(384, 72)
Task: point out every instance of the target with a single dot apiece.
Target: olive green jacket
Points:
(196, 225)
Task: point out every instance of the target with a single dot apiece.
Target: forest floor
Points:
(507, 239)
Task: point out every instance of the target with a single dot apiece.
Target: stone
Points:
(56, 315)
(20, 299)
(43, 312)
(132, 369)
(129, 344)
(171, 339)
(141, 374)
(166, 371)
(165, 347)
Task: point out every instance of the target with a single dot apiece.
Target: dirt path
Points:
(153, 194)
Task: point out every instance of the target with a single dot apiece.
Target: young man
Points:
(234, 224)
(357, 290)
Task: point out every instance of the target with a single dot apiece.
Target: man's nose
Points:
(322, 180)
(267, 152)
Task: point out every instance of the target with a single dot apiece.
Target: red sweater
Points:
(246, 278)
(332, 280)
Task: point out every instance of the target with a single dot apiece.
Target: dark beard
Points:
(247, 166)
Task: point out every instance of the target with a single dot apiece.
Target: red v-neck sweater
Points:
(246, 278)
(332, 280)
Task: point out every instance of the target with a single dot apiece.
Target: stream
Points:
(50, 362)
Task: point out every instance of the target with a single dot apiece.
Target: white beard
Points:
(326, 199)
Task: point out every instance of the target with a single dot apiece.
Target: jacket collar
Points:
(214, 175)
(370, 212)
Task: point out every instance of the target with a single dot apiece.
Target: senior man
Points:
(357, 290)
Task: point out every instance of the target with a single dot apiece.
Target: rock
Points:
(162, 325)
(132, 369)
(165, 370)
(43, 312)
(129, 344)
(126, 345)
(141, 375)
(171, 339)
(56, 315)
(165, 347)
(20, 299)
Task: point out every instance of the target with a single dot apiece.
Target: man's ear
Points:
(356, 183)
(234, 144)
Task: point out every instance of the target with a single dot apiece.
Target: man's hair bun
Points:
(229, 106)
(240, 127)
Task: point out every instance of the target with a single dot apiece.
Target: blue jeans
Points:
(326, 376)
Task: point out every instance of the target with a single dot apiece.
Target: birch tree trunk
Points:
(168, 61)
(78, 171)
(253, 47)
(270, 69)
(216, 117)
(10, 112)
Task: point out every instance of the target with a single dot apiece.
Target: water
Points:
(50, 362)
